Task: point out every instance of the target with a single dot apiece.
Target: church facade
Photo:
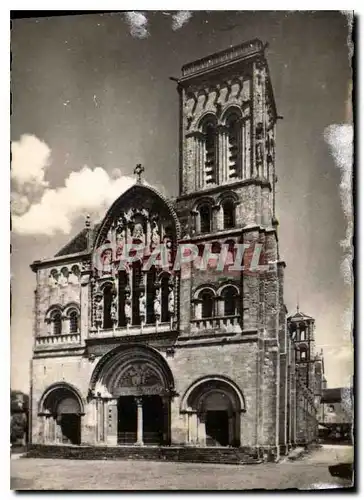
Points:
(133, 349)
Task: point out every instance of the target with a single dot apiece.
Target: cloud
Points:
(340, 141)
(30, 159)
(87, 191)
(19, 203)
(138, 24)
(180, 18)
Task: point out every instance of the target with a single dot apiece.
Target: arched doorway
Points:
(135, 385)
(213, 407)
(61, 408)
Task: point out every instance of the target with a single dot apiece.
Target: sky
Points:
(92, 97)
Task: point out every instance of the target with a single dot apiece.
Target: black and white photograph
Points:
(182, 290)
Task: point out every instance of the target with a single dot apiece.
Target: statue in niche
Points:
(138, 233)
(167, 244)
(142, 305)
(171, 302)
(63, 277)
(259, 153)
(127, 307)
(157, 304)
(120, 241)
(114, 311)
(98, 310)
(155, 237)
(106, 259)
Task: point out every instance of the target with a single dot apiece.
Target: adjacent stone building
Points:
(180, 355)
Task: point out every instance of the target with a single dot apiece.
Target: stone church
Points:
(169, 356)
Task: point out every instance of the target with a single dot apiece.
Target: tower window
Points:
(205, 219)
(229, 295)
(234, 147)
(57, 323)
(303, 335)
(207, 309)
(210, 146)
(229, 214)
(73, 322)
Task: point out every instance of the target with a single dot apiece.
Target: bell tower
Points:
(227, 178)
(302, 327)
(227, 130)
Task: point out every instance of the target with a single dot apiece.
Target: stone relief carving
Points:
(139, 375)
(142, 305)
(171, 302)
(157, 304)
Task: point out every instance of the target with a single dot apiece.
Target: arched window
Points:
(107, 306)
(210, 151)
(234, 146)
(151, 277)
(230, 296)
(73, 318)
(137, 288)
(231, 254)
(301, 354)
(122, 281)
(56, 319)
(207, 303)
(228, 208)
(165, 298)
(302, 334)
(205, 219)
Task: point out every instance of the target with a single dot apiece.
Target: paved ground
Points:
(48, 474)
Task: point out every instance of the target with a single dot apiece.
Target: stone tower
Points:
(302, 328)
(227, 197)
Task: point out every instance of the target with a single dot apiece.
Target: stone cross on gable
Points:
(139, 169)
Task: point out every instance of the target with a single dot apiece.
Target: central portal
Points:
(154, 423)
(137, 386)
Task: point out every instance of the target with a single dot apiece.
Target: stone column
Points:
(85, 304)
(220, 306)
(192, 431)
(44, 427)
(201, 429)
(201, 162)
(58, 433)
(139, 403)
(166, 420)
(198, 309)
(196, 144)
(112, 422)
(231, 429)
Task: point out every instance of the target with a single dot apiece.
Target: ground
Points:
(308, 472)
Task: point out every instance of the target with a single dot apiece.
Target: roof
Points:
(238, 52)
(299, 315)
(78, 243)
